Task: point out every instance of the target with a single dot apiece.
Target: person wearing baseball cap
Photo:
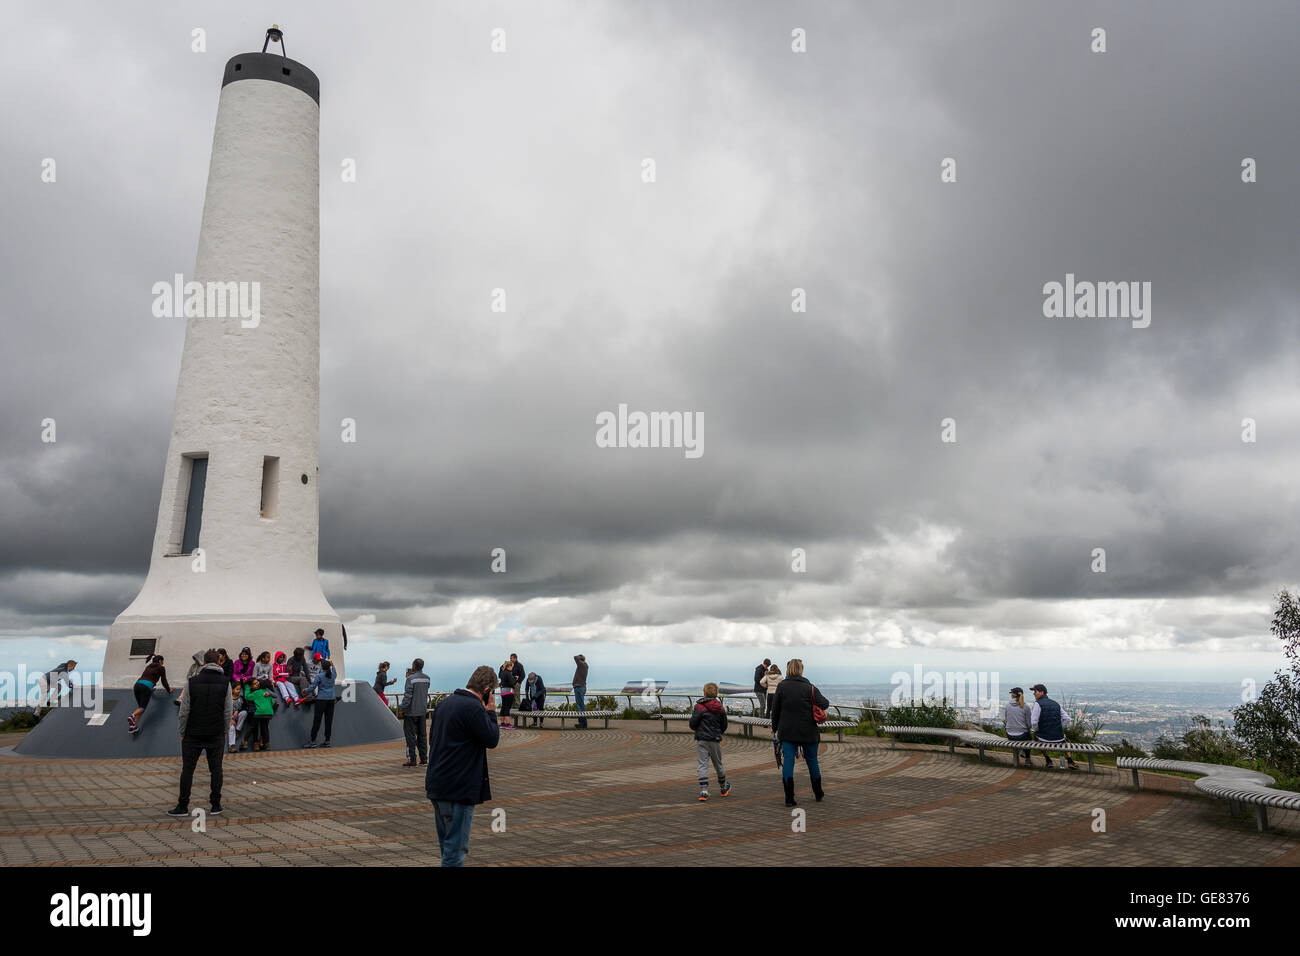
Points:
(1016, 715)
(1049, 720)
(320, 645)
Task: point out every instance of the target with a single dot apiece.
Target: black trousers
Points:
(415, 739)
(324, 709)
(191, 747)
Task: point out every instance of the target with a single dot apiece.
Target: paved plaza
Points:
(625, 796)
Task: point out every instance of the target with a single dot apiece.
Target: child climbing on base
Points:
(709, 721)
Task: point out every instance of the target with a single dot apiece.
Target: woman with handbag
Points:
(796, 711)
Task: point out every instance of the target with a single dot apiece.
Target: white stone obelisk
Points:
(234, 557)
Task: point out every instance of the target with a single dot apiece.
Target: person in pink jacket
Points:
(282, 682)
(244, 667)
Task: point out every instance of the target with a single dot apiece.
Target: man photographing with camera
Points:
(464, 730)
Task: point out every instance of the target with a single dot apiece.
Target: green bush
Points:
(1084, 724)
(1126, 749)
(1269, 726)
(20, 721)
(1200, 742)
(921, 713)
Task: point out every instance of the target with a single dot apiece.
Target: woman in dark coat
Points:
(793, 725)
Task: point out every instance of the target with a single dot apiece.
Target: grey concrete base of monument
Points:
(72, 732)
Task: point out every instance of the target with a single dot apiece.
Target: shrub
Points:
(1200, 742)
(1269, 726)
(921, 713)
(1126, 749)
(1084, 724)
(21, 720)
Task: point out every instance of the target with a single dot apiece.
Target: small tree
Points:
(1269, 726)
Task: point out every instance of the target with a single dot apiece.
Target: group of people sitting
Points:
(258, 686)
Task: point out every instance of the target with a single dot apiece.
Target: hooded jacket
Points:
(709, 719)
(281, 670)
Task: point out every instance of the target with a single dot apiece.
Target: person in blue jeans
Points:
(464, 730)
(580, 686)
(794, 726)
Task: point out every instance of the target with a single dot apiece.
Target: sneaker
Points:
(726, 788)
(217, 810)
(179, 811)
(309, 745)
(325, 744)
(230, 749)
(409, 763)
(130, 723)
(704, 795)
(423, 762)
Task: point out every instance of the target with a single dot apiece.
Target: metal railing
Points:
(653, 703)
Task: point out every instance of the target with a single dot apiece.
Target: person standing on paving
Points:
(203, 719)
(709, 721)
(760, 688)
(464, 730)
(580, 686)
(793, 722)
(412, 710)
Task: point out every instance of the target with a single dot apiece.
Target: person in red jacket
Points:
(709, 721)
(283, 682)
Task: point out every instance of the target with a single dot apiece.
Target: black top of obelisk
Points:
(272, 66)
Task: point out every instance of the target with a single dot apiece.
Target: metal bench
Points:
(747, 724)
(563, 715)
(985, 741)
(1237, 785)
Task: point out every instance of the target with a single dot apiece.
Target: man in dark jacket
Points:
(464, 730)
(580, 685)
(760, 689)
(414, 705)
(794, 726)
(535, 694)
(709, 721)
(1048, 721)
(203, 720)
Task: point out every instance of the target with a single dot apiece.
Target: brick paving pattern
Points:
(625, 796)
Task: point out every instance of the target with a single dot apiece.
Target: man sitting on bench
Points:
(1048, 721)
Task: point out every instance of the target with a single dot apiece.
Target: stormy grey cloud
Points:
(775, 170)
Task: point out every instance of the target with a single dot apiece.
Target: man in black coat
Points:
(760, 688)
(793, 723)
(203, 719)
(464, 730)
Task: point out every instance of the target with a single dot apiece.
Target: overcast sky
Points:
(775, 170)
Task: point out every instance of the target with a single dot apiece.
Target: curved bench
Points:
(1237, 785)
(747, 723)
(563, 715)
(981, 740)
